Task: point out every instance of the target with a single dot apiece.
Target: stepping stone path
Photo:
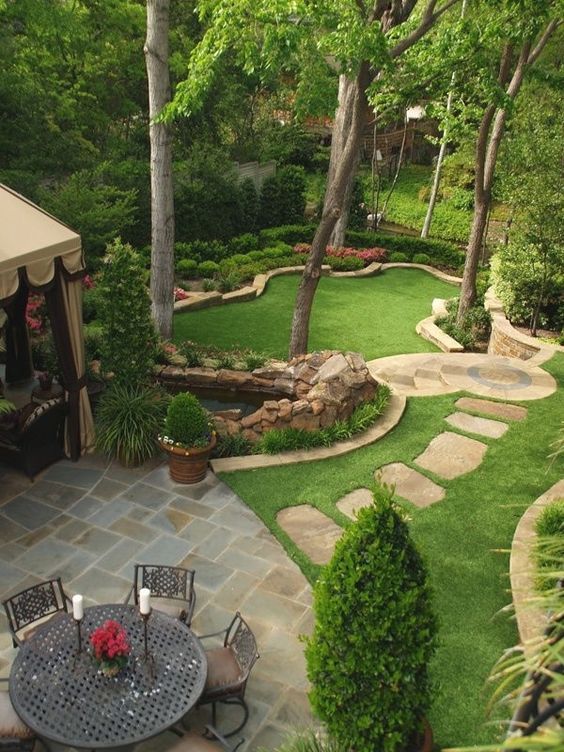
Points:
(354, 501)
(450, 455)
(410, 484)
(484, 426)
(497, 409)
(311, 530)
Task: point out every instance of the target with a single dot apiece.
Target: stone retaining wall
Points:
(507, 341)
(315, 390)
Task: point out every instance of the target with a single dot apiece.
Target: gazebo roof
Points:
(31, 238)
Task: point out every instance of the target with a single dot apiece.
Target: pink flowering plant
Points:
(180, 294)
(367, 255)
(110, 647)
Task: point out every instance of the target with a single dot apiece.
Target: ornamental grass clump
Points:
(187, 423)
(374, 635)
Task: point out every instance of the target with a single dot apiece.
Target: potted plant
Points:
(374, 636)
(110, 647)
(188, 438)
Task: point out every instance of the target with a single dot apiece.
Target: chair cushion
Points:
(10, 723)
(39, 410)
(223, 669)
(193, 742)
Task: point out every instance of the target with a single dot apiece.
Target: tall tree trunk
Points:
(345, 147)
(396, 175)
(162, 201)
(341, 130)
(442, 151)
(487, 149)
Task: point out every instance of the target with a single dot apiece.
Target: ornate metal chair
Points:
(172, 584)
(35, 603)
(15, 736)
(229, 667)
(192, 742)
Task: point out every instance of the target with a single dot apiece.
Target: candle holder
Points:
(147, 660)
(80, 657)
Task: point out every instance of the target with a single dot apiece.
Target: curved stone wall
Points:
(315, 390)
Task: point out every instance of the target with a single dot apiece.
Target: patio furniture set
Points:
(59, 693)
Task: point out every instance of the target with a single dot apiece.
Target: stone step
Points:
(497, 409)
(355, 500)
(493, 429)
(449, 455)
(410, 484)
(311, 530)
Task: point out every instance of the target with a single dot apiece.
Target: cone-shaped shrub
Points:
(187, 422)
(374, 635)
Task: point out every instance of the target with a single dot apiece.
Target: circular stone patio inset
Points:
(500, 376)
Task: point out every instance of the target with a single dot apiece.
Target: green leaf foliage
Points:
(187, 422)
(124, 312)
(128, 420)
(374, 635)
(289, 439)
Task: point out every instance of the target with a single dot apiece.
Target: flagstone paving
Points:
(493, 429)
(450, 455)
(355, 500)
(311, 530)
(410, 484)
(496, 409)
(90, 522)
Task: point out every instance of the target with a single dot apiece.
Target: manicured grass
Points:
(375, 316)
(465, 538)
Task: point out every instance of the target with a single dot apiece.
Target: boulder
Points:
(306, 422)
(229, 378)
(252, 419)
(300, 406)
(332, 368)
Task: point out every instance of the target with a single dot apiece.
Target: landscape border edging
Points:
(385, 423)
(531, 621)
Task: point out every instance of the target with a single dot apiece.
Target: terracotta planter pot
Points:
(188, 465)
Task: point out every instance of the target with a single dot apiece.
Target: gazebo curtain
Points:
(64, 302)
(41, 254)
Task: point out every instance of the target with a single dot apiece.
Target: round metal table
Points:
(70, 702)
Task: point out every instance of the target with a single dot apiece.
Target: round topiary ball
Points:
(187, 422)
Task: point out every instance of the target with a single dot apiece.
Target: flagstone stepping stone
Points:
(311, 530)
(498, 409)
(354, 501)
(450, 455)
(484, 426)
(410, 484)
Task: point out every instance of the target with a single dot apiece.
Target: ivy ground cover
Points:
(375, 316)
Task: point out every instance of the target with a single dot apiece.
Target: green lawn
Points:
(465, 538)
(375, 316)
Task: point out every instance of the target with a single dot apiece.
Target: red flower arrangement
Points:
(368, 255)
(111, 647)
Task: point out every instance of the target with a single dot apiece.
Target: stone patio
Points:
(89, 522)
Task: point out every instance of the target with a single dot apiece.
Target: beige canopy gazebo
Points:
(39, 253)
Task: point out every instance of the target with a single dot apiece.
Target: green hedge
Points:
(439, 251)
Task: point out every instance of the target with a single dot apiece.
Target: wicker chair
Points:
(35, 603)
(15, 736)
(172, 587)
(190, 741)
(229, 667)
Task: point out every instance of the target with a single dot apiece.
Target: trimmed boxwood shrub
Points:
(243, 243)
(421, 258)
(186, 421)
(398, 257)
(346, 264)
(201, 250)
(187, 268)
(208, 269)
(290, 234)
(374, 635)
(440, 251)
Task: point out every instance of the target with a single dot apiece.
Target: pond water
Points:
(230, 399)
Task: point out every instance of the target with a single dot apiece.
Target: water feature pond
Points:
(216, 399)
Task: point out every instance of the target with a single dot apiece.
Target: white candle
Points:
(77, 607)
(145, 601)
